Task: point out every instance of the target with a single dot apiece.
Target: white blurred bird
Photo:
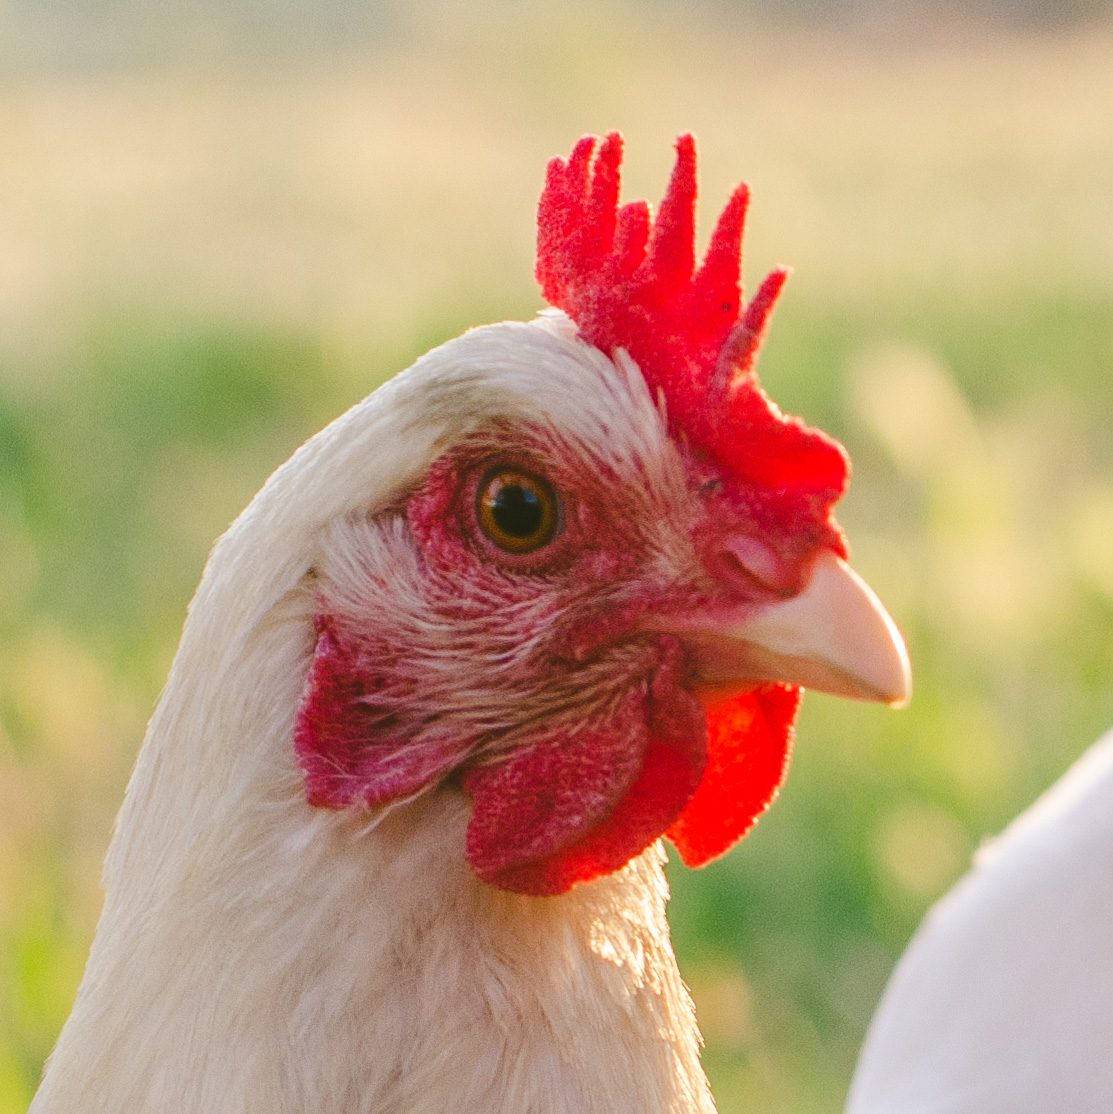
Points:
(1003, 1002)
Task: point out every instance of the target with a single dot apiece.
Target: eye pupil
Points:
(517, 511)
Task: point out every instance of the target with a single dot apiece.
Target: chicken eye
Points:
(517, 511)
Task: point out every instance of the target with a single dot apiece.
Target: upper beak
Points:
(833, 636)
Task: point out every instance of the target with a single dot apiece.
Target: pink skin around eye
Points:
(585, 791)
(602, 546)
(443, 516)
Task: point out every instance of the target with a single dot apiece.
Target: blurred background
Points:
(223, 221)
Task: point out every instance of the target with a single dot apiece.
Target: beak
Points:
(833, 636)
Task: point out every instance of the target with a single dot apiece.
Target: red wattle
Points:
(558, 813)
(664, 784)
(567, 807)
(749, 742)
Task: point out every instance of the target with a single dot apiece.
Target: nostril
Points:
(744, 564)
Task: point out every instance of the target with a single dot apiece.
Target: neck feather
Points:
(256, 954)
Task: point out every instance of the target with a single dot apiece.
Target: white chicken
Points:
(1003, 1003)
(392, 841)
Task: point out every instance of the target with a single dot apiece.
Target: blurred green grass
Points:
(199, 268)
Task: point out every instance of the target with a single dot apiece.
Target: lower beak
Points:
(833, 636)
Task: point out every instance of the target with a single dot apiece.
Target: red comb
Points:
(629, 281)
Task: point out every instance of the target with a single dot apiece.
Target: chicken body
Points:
(1003, 1003)
(259, 954)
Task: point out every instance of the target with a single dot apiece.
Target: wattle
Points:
(568, 804)
(703, 780)
(749, 743)
(569, 809)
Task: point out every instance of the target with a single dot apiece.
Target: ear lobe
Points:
(350, 747)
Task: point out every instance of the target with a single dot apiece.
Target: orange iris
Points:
(517, 511)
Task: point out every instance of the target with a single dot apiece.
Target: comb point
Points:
(672, 247)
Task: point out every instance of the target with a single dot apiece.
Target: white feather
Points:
(1003, 1003)
(258, 956)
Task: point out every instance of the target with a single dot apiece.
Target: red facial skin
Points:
(605, 746)
(576, 731)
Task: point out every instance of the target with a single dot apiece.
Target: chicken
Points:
(392, 843)
(1003, 1003)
